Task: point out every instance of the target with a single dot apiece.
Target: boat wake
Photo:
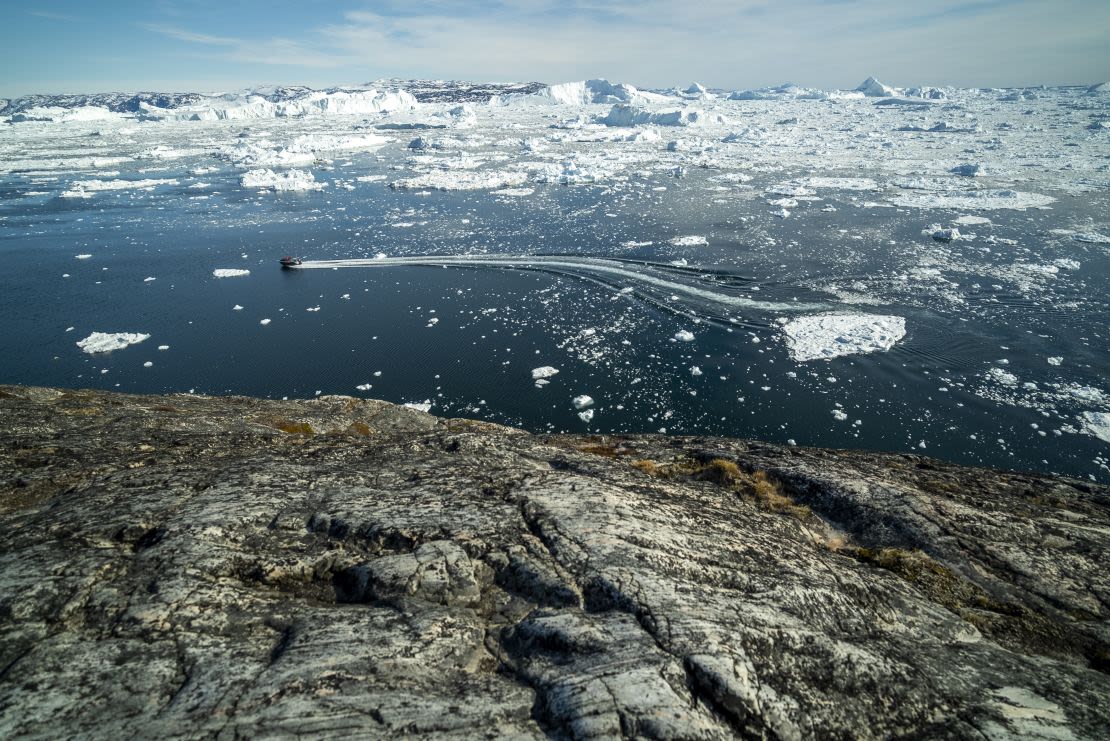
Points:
(653, 282)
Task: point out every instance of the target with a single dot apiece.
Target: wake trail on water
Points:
(650, 278)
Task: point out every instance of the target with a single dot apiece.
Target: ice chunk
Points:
(545, 371)
(684, 336)
(970, 170)
(587, 415)
(230, 272)
(623, 114)
(1097, 424)
(98, 342)
(690, 241)
(290, 180)
(825, 336)
(420, 406)
(583, 401)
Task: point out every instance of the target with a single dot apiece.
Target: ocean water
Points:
(1004, 362)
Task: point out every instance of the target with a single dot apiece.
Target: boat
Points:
(289, 261)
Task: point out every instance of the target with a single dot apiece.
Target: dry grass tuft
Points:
(294, 428)
(721, 472)
(647, 466)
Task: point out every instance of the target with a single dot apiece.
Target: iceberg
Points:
(585, 92)
(872, 88)
(251, 105)
(624, 114)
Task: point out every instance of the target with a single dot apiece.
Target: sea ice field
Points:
(921, 270)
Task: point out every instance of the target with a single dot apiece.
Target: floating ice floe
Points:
(587, 415)
(85, 188)
(692, 240)
(1097, 424)
(825, 336)
(971, 221)
(624, 114)
(230, 272)
(290, 180)
(420, 406)
(448, 180)
(545, 371)
(583, 401)
(684, 335)
(99, 342)
(1088, 237)
(971, 200)
(839, 183)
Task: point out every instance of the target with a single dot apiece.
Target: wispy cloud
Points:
(721, 42)
(54, 16)
(272, 51)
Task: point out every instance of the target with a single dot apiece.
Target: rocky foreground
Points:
(183, 566)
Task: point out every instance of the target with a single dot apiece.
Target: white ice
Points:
(826, 336)
(99, 342)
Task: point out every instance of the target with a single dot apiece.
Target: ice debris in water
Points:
(587, 415)
(684, 335)
(583, 401)
(420, 406)
(690, 241)
(545, 371)
(290, 180)
(825, 336)
(230, 272)
(98, 342)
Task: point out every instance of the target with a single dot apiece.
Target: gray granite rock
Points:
(184, 566)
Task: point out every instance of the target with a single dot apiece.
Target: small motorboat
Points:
(289, 261)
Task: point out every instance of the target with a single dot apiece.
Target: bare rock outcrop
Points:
(184, 566)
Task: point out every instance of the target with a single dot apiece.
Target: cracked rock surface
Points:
(184, 566)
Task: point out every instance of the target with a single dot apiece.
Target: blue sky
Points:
(207, 45)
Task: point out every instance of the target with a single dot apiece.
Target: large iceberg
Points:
(872, 88)
(58, 114)
(585, 92)
(310, 102)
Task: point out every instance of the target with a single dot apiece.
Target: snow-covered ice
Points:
(289, 180)
(826, 336)
(100, 342)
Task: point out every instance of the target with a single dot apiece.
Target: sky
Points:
(55, 46)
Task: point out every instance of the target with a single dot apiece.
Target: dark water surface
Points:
(974, 310)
